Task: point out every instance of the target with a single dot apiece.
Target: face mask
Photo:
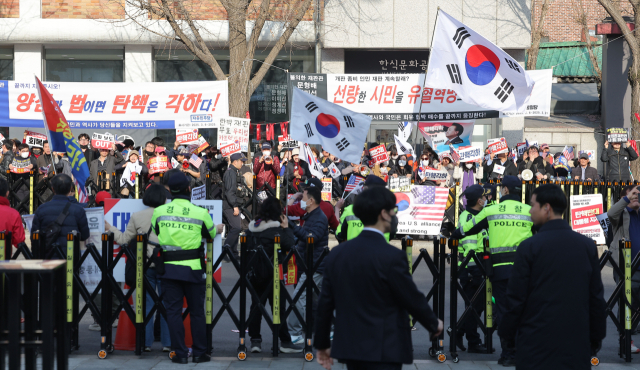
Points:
(402, 163)
(36, 152)
(303, 204)
(24, 155)
(394, 156)
(266, 153)
(485, 203)
(468, 165)
(84, 146)
(148, 152)
(425, 163)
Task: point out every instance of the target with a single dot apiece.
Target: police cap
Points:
(236, 156)
(178, 182)
(475, 192)
(512, 183)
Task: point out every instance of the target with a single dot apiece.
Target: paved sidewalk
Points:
(219, 363)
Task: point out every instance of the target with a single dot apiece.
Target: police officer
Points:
(180, 227)
(350, 225)
(233, 199)
(508, 223)
(471, 276)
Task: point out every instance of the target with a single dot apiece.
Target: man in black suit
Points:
(453, 134)
(368, 284)
(555, 299)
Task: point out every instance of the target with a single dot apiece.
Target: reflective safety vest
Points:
(179, 228)
(352, 223)
(509, 224)
(470, 243)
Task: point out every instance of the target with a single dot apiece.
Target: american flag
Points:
(429, 202)
(567, 152)
(353, 183)
(82, 196)
(195, 160)
(454, 154)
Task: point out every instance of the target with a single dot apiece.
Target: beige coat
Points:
(138, 224)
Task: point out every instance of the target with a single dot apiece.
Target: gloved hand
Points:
(447, 229)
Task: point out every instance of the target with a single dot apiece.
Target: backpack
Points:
(52, 231)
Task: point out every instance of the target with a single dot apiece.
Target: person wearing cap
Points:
(350, 225)
(297, 171)
(196, 175)
(266, 167)
(584, 171)
(508, 223)
(106, 163)
(294, 208)
(471, 276)
(232, 199)
(180, 227)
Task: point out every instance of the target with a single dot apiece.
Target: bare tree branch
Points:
(581, 19)
(536, 37)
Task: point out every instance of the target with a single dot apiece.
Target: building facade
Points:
(96, 41)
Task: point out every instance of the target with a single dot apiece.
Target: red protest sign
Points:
(101, 141)
(500, 146)
(379, 154)
(158, 164)
(186, 136)
(230, 149)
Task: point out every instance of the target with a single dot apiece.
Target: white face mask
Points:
(218, 156)
(303, 204)
(485, 203)
(24, 155)
(468, 165)
(425, 163)
(402, 163)
(266, 153)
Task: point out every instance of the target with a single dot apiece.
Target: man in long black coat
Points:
(555, 308)
(368, 284)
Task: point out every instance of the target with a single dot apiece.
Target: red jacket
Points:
(11, 221)
(266, 172)
(325, 207)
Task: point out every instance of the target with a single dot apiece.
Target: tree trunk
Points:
(239, 68)
(634, 81)
(536, 37)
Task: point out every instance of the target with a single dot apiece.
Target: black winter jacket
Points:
(316, 223)
(618, 163)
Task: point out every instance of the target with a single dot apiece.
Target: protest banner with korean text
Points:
(188, 136)
(158, 164)
(326, 189)
(232, 129)
(584, 209)
(227, 150)
(421, 210)
(105, 105)
(497, 146)
(379, 154)
(456, 133)
(20, 165)
(102, 141)
(35, 139)
(471, 154)
(617, 135)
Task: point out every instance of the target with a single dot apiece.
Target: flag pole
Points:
(46, 129)
(425, 72)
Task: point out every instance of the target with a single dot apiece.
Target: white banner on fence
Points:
(102, 105)
(118, 213)
(584, 220)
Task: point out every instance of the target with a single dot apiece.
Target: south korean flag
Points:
(340, 131)
(480, 72)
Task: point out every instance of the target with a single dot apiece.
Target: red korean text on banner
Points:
(20, 165)
(102, 141)
(499, 146)
(284, 128)
(230, 149)
(291, 276)
(379, 154)
(186, 136)
(258, 129)
(158, 164)
(586, 216)
(202, 145)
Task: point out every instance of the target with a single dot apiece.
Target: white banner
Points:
(396, 97)
(187, 136)
(584, 211)
(199, 193)
(144, 105)
(232, 129)
(471, 154)
(421, 210)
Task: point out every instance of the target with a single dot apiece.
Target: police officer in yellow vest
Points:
(350, 225)
(471, 277)
(508, 223)
(180, 227)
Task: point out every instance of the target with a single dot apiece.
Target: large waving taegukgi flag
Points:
(62, 140)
